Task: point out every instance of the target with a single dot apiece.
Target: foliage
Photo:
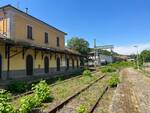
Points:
(87, 73)
(82, 109)
(122, 64)
(18, 87)
(5, 106)
(113, 81)
(108, 69)
(113, 67)
(78, 44)
(146, 55)
(42, 91)
(28, 102)
(5, 96)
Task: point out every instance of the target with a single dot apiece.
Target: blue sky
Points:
(123, 23)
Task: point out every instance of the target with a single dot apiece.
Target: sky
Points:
(122, 23)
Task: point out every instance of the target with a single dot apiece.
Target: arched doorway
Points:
(0, 66)
(77, 63)
(72, 63)
(58, 64)
(67, 63)
(29, 65)
(46, 64)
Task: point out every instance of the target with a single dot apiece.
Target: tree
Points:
(78, 44)
(145, 55)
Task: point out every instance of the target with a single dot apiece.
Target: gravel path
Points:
(132, 94)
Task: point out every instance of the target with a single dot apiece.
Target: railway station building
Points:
(31, 47)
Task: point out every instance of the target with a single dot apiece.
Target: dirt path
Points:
(132, 94)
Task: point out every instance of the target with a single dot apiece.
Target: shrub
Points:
(113, 81)
(108, 69)
(82, 109)
(87, 73)
(5, 106)
(5, 96)
(28, 102)
(42, 91)
(18, 87)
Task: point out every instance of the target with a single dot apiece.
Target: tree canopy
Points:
(78, 44)
(146, 55)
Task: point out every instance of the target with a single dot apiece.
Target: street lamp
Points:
(137, 60)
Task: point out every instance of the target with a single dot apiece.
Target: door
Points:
(0, 66)
(67, 63)
(72, 63)
(58, 64)
(77, 63)
(29, 65)
(46, 64)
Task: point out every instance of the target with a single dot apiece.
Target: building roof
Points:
(6, 6)
(38, 47)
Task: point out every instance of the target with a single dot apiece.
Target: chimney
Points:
(27, 10)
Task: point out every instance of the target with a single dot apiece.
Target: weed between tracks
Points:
(86, 98)
(63, 90)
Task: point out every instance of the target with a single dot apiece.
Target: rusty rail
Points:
(95, 105)
(58, 107)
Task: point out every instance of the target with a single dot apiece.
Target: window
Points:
(46, 37)
(29, 32)
(57, 41)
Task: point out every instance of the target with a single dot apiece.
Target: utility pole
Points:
(95, 52)
(137, 58)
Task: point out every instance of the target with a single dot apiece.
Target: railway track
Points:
(99, 99)
(57, 83)
(65, 102)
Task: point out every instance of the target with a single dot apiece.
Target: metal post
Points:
(137, 60)
(95, 52)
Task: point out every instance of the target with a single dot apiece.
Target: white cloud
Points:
(130, 49)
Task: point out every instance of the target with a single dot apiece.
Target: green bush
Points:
(114, 80)
(28, 102)
(107, 69)
(18, 87)
(42, 91)
(87, 73)
(122, 64)
(5, 106)
(82, 109)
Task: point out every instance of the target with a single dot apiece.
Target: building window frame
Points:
(46, 37)
(58, 42)
(29, 32)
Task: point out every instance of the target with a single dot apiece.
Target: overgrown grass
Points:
(113, 67)
(108, 69)
(18, 87)
(61, 91)
(87, 73)
(114, 80)
(82, 109)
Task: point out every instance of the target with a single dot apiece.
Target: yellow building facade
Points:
(31, 47)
